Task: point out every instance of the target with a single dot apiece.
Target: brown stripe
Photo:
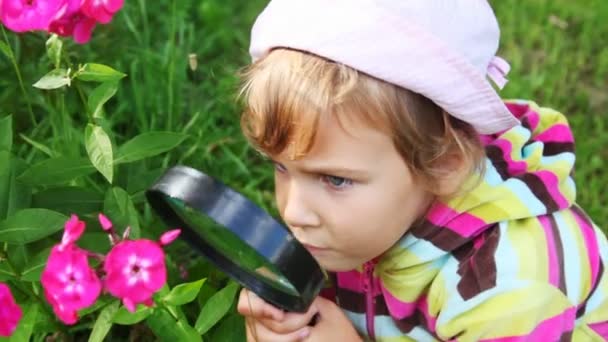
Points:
(478, 272)
(525, 122)
(495, 154)
(416, 320)
(441, 237)
(559, 251)
(555, 148)
(581, 310)
(539, 190)
(566, 337)
(355, 302)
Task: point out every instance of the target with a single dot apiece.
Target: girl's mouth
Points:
(314, 249)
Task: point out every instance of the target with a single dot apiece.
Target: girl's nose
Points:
(298, 209)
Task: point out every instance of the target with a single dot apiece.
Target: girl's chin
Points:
(337, 265)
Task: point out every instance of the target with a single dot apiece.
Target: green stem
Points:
(18, 72)
(170, 312)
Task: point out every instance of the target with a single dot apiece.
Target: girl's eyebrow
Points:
(330, 170)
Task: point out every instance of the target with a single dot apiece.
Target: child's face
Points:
(351, 197)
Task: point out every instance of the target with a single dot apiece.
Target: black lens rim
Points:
(231, 210)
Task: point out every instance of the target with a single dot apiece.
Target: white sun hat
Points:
(442, 49)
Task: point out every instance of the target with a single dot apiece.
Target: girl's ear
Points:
(456, 170)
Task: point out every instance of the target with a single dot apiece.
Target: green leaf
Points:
(96, 241)
(56, 78)
(215, 308)
(57, 171)
(99, 148)
(101, 303)
(33, 270)
(29, 225)
(99, 96)
(232, 328)
(6, 50)
(69, 199)
(98, 73)
(54, 45)
(6, 133)
(147, 145)
(119, 207)
(104, 323)
(13, 195)
(39, 146)
(167, 328)
(184, 293)
(5, 272)
(26, 324)
(125, 317)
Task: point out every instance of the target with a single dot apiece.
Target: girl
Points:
(441, 212)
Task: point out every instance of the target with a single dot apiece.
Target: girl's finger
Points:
(257, 332)
(250, 304)
(290, 322)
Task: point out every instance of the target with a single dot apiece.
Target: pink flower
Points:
(30, 15)
(134, 271)
(76, 24)
(101, 10)
(69, 283)
(10, 312)
(73, 229)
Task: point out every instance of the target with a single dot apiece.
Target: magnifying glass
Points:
(238, 237)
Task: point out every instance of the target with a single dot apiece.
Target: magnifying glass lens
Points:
(230, 245)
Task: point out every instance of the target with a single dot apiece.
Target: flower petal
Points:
(169, 236)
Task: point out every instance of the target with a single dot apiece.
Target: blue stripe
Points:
(506, 258)
(600, 296)
(572, 259)
(385, 327)
(526, 197)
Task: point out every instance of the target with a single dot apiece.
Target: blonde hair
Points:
(288, 91)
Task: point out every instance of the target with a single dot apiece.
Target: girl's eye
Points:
(337, 182)
(279, 167)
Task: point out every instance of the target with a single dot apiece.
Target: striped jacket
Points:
(515, 259)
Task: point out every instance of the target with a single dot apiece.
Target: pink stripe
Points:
(551, 183)
(533, 119)
(593, 252)
(557, 133)
(423, 306)
(514, 167)
(600, 329)
(397, 308)
(353, 281)
(518, 109)
(554, 268)
(549, 330)
(464, 224)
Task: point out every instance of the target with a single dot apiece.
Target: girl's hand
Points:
(332, 325)
(266, 323)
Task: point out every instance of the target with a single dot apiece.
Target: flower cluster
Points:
(132, 271)
(75, 18)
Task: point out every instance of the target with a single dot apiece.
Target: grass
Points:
(559, 59)
(556, 48)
